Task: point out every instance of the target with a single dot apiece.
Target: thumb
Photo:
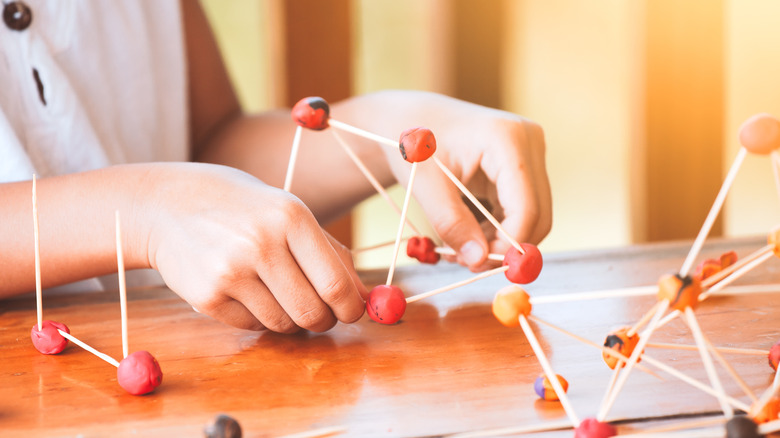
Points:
(450, 217)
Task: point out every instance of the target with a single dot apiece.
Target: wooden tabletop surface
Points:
(447, 367)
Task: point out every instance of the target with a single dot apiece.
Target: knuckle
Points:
(281, 323)
(318, 318)
(336, 290)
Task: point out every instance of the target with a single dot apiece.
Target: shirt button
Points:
(17, 16)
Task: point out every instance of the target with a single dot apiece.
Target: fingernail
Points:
(472, 252)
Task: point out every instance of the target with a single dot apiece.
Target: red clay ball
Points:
(139, 373)
(417, 144)
(49, 340)
(760, 134)
(312, 113)
(523, 268)
(774, 355)
(592, 428)
(386, 304)
(423, 249)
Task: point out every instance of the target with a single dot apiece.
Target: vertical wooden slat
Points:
(317, 61)
(684, 115)
(478, 38)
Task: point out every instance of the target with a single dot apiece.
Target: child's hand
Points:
(247, 254)
(498, 155)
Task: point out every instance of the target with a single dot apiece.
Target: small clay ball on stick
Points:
(423, 249)
(417, 144)
(593, 428)
(760, 134)
(509, 303)
(544, 389)
(523, 268)
(49, 340)
(312, 113)
(139, 373)
(386, 304)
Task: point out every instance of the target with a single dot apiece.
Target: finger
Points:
(323, 286)
(522, 186)
(232, 313)
(450, 217)
(346, 258)
(255, 297)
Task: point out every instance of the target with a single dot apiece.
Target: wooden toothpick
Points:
(293, 158)
(363, 133)
(370, 177)
(467, 193)
(120, 261)
(399, 236)
(701, 342)
(458, 284)
(713, 214)
(83, 345)
(36, 235)
(548, 371)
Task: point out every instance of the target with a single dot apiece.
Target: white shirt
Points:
(113, 81)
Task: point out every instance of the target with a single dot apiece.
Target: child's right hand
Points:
(245, 253)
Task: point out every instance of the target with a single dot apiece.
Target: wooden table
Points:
(448, 367)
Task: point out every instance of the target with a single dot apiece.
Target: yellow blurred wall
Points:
(580, 69)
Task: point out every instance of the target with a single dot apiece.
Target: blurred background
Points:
(640, 100)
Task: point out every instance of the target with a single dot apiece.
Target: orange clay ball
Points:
(544, 388)
(417, 144)
(769, 412)
(681, 292)
(619, 341)
(760, 134)
(509, 303)
(774, 240)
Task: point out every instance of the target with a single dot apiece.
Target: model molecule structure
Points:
(386, 303)
(678, 294)
(137, 373)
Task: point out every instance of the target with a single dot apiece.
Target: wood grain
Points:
(447, 367)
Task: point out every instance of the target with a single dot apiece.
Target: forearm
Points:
(324, 178)
(76, 217)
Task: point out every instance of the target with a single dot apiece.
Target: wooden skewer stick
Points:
(746, 351)
(595, 295)
(614, 353)
(642, 321)
(691, 381)
(679, 426)
(363, 133)
(373, 247)
(319, 433)
(293, 158)
(370, 177)
(120, 261)
(767, 428)
(713, 214)
(720, 275)
(517, 430)
(401, 224)
(612, 380)
(467, 193)
(737, 274)
(485, 274)
(730, 370)
(766, 396)
(36, 235)
(632, 360)
(551, 376)
(83, 345)
(701, 342)
(449, 251)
